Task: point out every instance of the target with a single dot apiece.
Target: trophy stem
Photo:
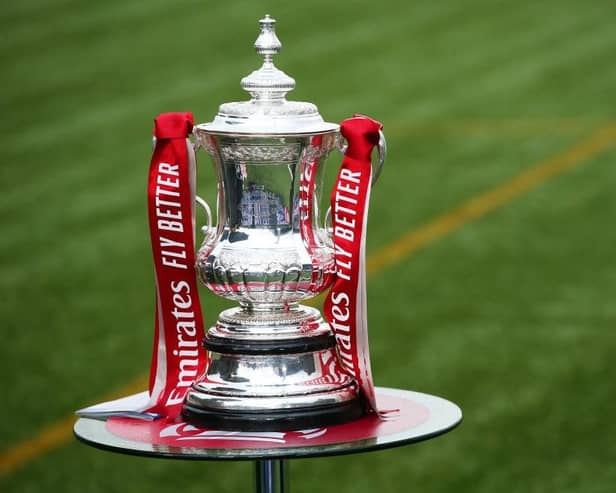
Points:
(268, 307)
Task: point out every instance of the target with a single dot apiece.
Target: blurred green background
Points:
(511, 316)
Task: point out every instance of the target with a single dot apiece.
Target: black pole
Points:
(271, 476)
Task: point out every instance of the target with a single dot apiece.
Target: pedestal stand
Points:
(410, 417)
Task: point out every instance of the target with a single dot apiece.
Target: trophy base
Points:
(282, 420)
(272, 372)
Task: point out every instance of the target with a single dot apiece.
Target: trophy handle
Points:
(208, 231)
(381, 151)
(382, 155)
(327, 225)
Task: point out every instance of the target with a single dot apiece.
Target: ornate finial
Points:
(268, 83)
(267, 43)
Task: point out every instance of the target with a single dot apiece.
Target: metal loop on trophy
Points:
(328, 226)
(381, 150)
(341, 145)
(207, 229)
(194, 141)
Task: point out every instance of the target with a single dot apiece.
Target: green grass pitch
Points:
(510, 315)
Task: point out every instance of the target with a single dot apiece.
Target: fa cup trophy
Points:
(272, 362)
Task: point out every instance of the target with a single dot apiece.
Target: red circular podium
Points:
(408, 417)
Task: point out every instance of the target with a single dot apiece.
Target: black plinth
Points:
(275, 420)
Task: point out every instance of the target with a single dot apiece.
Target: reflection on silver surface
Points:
(235, 377)
(260, 254)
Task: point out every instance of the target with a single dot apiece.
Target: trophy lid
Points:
(268, 112)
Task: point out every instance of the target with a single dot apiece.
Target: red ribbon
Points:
(178, 358)
(345, 306)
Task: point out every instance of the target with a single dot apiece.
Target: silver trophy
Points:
(272, 361)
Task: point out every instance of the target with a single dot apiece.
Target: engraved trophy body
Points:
(272, 361)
